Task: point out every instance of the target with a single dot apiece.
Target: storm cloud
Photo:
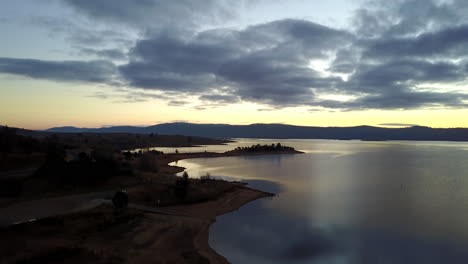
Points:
(404, 54)
(403, 47)
(69, 71)
(266, 63)
(447, 43)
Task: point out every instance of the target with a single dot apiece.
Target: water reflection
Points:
(348, 202)
(267, 236)
(259, 233)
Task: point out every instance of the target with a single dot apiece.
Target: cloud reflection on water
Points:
(258, 233)
(383, 202)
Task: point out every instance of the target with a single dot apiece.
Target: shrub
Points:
(181, 187)
(265, 148)
(205, 178)
(148, 162)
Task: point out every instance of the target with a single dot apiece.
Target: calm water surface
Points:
(217, 148)
(346, 202)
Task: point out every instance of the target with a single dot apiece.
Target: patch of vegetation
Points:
(206, 178)
(264, 148)
(11, 142)
(145, 161)
(181, 186)
(29, 242)
(85, 170)
(184, 190)
(127, 141)
(206, 190)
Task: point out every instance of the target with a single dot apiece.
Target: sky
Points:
(312, 63)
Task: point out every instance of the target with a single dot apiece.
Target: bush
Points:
(181, 187)
(127, 155)
(84, 171)
(205, 178)
(264, 148)
(148, 162)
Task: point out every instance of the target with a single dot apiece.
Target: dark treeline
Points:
(46, 162)
(85, 170)
(11, 142)
(289, 131)
(265, 148)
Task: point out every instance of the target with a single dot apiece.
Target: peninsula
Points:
(62, 210)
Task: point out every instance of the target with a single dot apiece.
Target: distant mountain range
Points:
(284, 131)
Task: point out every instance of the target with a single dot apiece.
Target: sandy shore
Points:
(99, 236)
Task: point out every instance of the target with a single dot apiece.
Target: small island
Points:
(273, 148)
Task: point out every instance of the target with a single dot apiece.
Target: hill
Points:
(279, 131)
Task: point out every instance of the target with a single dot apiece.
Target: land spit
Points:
(99, 235)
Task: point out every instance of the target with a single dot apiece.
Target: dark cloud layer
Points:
(155, 13)
(447, 43)
(387, 60)
(408, 100)
(265, 63)
(70, 71)
(405, 45)
(400, 75)
(270, 64)
(219, 98)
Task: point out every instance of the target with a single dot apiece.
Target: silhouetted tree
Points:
(148, 162)
(120, 201)
(265, 148)
(182, 185)
(127, 155)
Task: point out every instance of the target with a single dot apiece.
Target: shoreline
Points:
(172, 157)
(224, 204)
(180, 238)
(230, 202)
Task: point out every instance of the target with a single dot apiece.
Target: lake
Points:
(346, 202)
